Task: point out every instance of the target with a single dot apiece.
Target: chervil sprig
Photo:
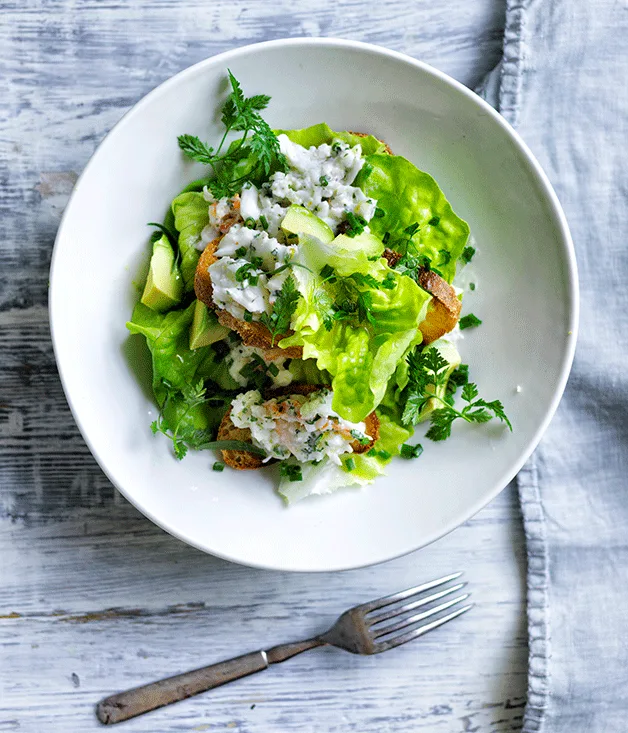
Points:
(239, 114)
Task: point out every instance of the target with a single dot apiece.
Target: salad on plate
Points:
(299, 305)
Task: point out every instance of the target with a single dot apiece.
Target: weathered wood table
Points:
(93, 597)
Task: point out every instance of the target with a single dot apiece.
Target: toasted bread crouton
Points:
(256, 334)
(239, 459)
(366, 134)
(253, 333)
(202, 278)
(242, 461)
(444, 310)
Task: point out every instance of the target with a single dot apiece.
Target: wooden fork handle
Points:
(155, 695)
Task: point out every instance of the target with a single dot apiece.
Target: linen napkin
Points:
(563, 84)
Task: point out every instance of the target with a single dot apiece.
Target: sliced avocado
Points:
(450, 354)
(164, 285)
(205, 329)
(298, 220)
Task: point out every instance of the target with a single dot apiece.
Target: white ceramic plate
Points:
(526, 296)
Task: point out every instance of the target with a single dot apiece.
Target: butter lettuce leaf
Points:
(360, 356)
(392, 435)
(407, 195)
(175, 365)
(191, 216)
(323, 134)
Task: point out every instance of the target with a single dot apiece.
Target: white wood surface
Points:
(93, 597)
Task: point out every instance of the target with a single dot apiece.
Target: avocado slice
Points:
(298, 220)
(205, 329)
(450, 354)
(164, 285)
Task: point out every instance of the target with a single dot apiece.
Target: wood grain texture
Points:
(93, 597)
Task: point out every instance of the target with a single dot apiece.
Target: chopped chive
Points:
(263, 221)
(372, 452)
(323, 181)
(469, 321)
(350, 464)
(384, 455)
(253, 279)
(445, 256)
(434, 221)
(240, 252)
(273, 369)
(412, 229)
(471, 286)
(218, 466)
(249, 222)
(411, 451)
(379, 213)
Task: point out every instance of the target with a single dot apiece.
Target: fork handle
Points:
(155, 695)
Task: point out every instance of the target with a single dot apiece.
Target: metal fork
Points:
(360, 630)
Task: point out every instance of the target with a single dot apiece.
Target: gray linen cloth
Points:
(563, 84)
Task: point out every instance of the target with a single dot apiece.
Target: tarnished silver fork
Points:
(366, 629)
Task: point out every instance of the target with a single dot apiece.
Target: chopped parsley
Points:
(427, 371)
(469, 321)
(291, 471)
(467, 254)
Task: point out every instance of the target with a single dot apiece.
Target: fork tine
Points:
(380, 617)
(387, 600)
(383, 646)
(411, 620)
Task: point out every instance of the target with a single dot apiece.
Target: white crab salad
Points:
(303, 426)
(254, 247)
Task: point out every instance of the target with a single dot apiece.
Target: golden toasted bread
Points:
(202, 278)
(256, 334)
(242, 461)
(252, 333)
(443, 311)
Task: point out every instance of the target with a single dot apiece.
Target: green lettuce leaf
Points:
(407, 195)
(174, 363)
(360, 357)
(320, 134)
(392, 435)
(191, 216)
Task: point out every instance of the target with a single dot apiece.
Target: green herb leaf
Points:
(410, 451)
(469, 321)
(196, 149)
(467, 254)
(278, 322)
